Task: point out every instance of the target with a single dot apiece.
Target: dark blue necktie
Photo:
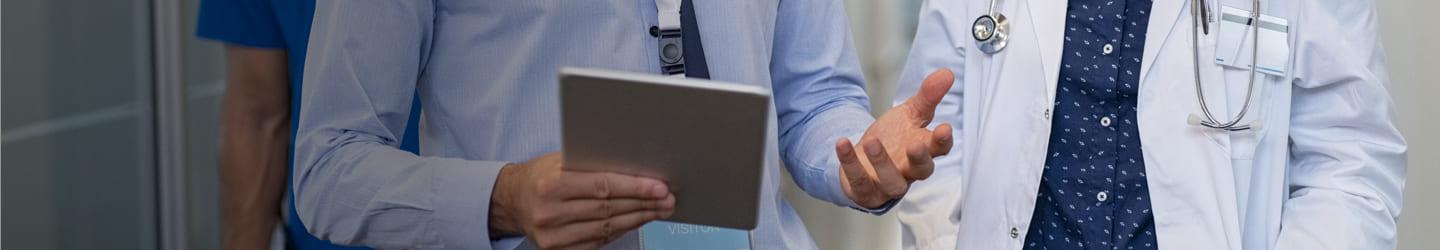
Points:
(695, 66)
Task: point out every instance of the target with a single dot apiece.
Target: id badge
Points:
(671, 235)
(1234, 47)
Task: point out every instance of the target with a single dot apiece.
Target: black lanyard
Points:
(695, 65)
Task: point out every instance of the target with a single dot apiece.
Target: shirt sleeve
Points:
(244, 22)
(353, 186)
(1347, 159)
(819, 93)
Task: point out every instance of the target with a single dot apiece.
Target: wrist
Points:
(502, 221)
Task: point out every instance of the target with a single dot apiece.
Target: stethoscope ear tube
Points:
(1197, 18)
(1196, 120)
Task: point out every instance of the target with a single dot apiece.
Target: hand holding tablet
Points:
(556, 208)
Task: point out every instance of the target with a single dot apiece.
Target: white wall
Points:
(1410, 40)
(883, 31)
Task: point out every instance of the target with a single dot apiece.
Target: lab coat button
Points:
(1102, 196)
(1105, 121)
(1014, 233)
(1108, 48)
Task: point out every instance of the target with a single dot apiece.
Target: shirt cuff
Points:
(462, 202)
(837, 193)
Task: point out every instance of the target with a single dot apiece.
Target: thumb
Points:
(931, 91)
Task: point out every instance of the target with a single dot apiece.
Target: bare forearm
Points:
(252, 176)
(254, 137)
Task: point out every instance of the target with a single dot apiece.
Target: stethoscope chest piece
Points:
(991, 33)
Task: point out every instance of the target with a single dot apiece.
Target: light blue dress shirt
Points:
(486, 73)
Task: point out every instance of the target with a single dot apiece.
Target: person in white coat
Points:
(1083, 98)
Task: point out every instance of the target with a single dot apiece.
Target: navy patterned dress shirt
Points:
(1093, 193)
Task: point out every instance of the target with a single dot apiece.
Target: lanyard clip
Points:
(672, 52)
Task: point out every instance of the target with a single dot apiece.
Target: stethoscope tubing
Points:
(1210, 121)
(996, 40)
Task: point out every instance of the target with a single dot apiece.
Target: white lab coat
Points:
(1324, 171)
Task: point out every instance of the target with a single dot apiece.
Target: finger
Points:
(575, 235)
(942, 139)
(861, 185)
(891, 184)
(627, 222)
(606, 230)
(592, 185)
(581, 245)
(932, 90)
(591, 245)
(921, 164)
(599, 209)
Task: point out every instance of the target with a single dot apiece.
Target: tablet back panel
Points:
(705, 139)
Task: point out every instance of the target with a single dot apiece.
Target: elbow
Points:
(312, 205)
(324, 182)
(307, 204)
(316, 211)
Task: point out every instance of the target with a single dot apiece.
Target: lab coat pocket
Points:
(1242, 97)
(1227, 92)
(1213, 86)
(1245, 41)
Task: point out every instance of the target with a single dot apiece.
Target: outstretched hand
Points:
(897, 149)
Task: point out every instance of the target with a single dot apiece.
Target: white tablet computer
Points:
(705, 139)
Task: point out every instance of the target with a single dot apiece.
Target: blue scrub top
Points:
(281, 24)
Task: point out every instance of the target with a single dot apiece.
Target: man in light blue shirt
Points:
(488, 172)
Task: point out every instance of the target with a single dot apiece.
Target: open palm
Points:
(897, 149)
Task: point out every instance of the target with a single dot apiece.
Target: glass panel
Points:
(77, 133)
(204, 74)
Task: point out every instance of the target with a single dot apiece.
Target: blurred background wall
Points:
(79, 159)
(80, 165)
(1413, 45)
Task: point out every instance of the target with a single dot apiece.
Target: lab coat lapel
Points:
(1164, 15)
(1188, 168)
(1048, 23)
(1048, 26)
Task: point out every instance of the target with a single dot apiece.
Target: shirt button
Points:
(1102, 196)
(1047, 114)
(1014, 233)
(1108, 48)
(1105, 121)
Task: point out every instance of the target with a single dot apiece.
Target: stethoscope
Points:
(991, 32)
